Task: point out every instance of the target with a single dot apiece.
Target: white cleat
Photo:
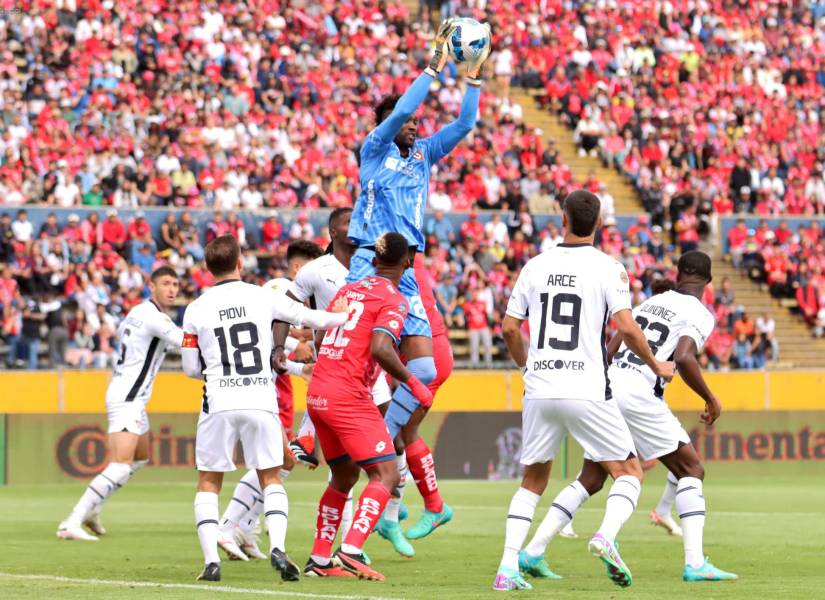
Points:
(229, 546)
(667, 523)
(567, 531)
(92, 523)
(248, 543)
(68, 531)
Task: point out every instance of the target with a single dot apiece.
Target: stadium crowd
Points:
(247, 106)
(64, 287)
(710, 107)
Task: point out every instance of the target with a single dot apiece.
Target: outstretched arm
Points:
(447, 138)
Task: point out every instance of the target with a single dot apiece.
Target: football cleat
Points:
(248, 543)
(536, 566)
(429, 522)
(303, 449)
(608, 553)
(509, 580)
(666, 522)
(69, 531)
(391, 531)
(707, 572)
(93, 524)
(354, 563)
(281, 562)
(211, 572)
(567, 531)
(233, 551)
(331, 569)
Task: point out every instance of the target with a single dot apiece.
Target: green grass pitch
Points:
(770, 530)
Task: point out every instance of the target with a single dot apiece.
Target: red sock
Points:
(330, 509)
(422, 467)
(371, 504)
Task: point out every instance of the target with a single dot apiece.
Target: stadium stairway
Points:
(797, 346)
(626, 199)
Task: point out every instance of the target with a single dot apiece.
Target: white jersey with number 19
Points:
(230, 326)
(568, 293)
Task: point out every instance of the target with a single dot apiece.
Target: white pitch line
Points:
(189, 586)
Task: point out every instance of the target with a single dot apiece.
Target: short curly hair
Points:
(384, 107)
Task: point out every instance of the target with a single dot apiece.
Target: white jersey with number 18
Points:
(568, 293)
(664, 319)
(230, 327)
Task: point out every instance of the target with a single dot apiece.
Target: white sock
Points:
(276, 512)
(285, 473)
(307, 427)
(668, 496)
(394, 504)
(690, 504)
(206, 520)
(113, 477)
(346, 517)
(250, 521)
(137, 465)
(243, 500)
(621, 502)
(519, 519)
(558, 515)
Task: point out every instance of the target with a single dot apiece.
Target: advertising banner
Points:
(466, 445)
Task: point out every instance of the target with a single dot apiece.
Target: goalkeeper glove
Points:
(474, 66)
(440, 51)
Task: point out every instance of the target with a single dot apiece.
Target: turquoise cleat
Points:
(707, 572)
(391, 532)
(429, 521)
(403, 512)
(536, 566)
(509, 580)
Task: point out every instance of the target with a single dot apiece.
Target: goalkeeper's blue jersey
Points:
(394, 188)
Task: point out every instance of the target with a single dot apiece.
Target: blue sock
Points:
(403, 403)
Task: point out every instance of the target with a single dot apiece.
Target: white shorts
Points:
(259, 432)
(655, 429)
(381, 393)
(127, 416)
(597, 425)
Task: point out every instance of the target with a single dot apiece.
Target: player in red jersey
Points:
(350, 429)
(419, 458)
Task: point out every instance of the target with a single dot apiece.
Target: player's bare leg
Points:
(206, 523)
(383, 478)
(388, 526)
(276, 514)
(684, 463)
(129, 452)
(519, 519)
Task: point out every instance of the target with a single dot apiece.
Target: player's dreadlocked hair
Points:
(385, 106)
(391, 249)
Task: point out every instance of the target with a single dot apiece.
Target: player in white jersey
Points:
(228, 343)
(239, 525)
(144, 336)
(568, 294)
(677, 325)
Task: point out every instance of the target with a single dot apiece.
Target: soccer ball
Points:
(469, 39)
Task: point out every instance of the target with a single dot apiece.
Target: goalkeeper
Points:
(395, 179)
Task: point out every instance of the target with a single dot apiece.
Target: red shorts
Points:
(443, 358)
(286, 407)
(350, 429)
